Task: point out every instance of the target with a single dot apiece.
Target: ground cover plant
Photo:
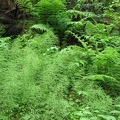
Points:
(64, 64)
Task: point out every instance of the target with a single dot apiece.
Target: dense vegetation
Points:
(59, 60)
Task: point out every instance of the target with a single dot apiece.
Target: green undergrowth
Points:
(38, 81)
(65, 69)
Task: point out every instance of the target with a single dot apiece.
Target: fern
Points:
(106, 58)
(106, 82)
(46, 8)
(107, 117)
(80, 80)
(78, 15)
(4, 43)
(78, 38)
(39, 28)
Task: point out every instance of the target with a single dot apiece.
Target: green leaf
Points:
(96, 111)
(87, 113)
(115, 112)
(117, 106)
(26, 117)
(84, 118)
(78, 113)
(82, 93)
(93, 118)
(107, 117)
(90, 28)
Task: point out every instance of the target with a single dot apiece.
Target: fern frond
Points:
(39, 28)
(109, 83)
(80, 14)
